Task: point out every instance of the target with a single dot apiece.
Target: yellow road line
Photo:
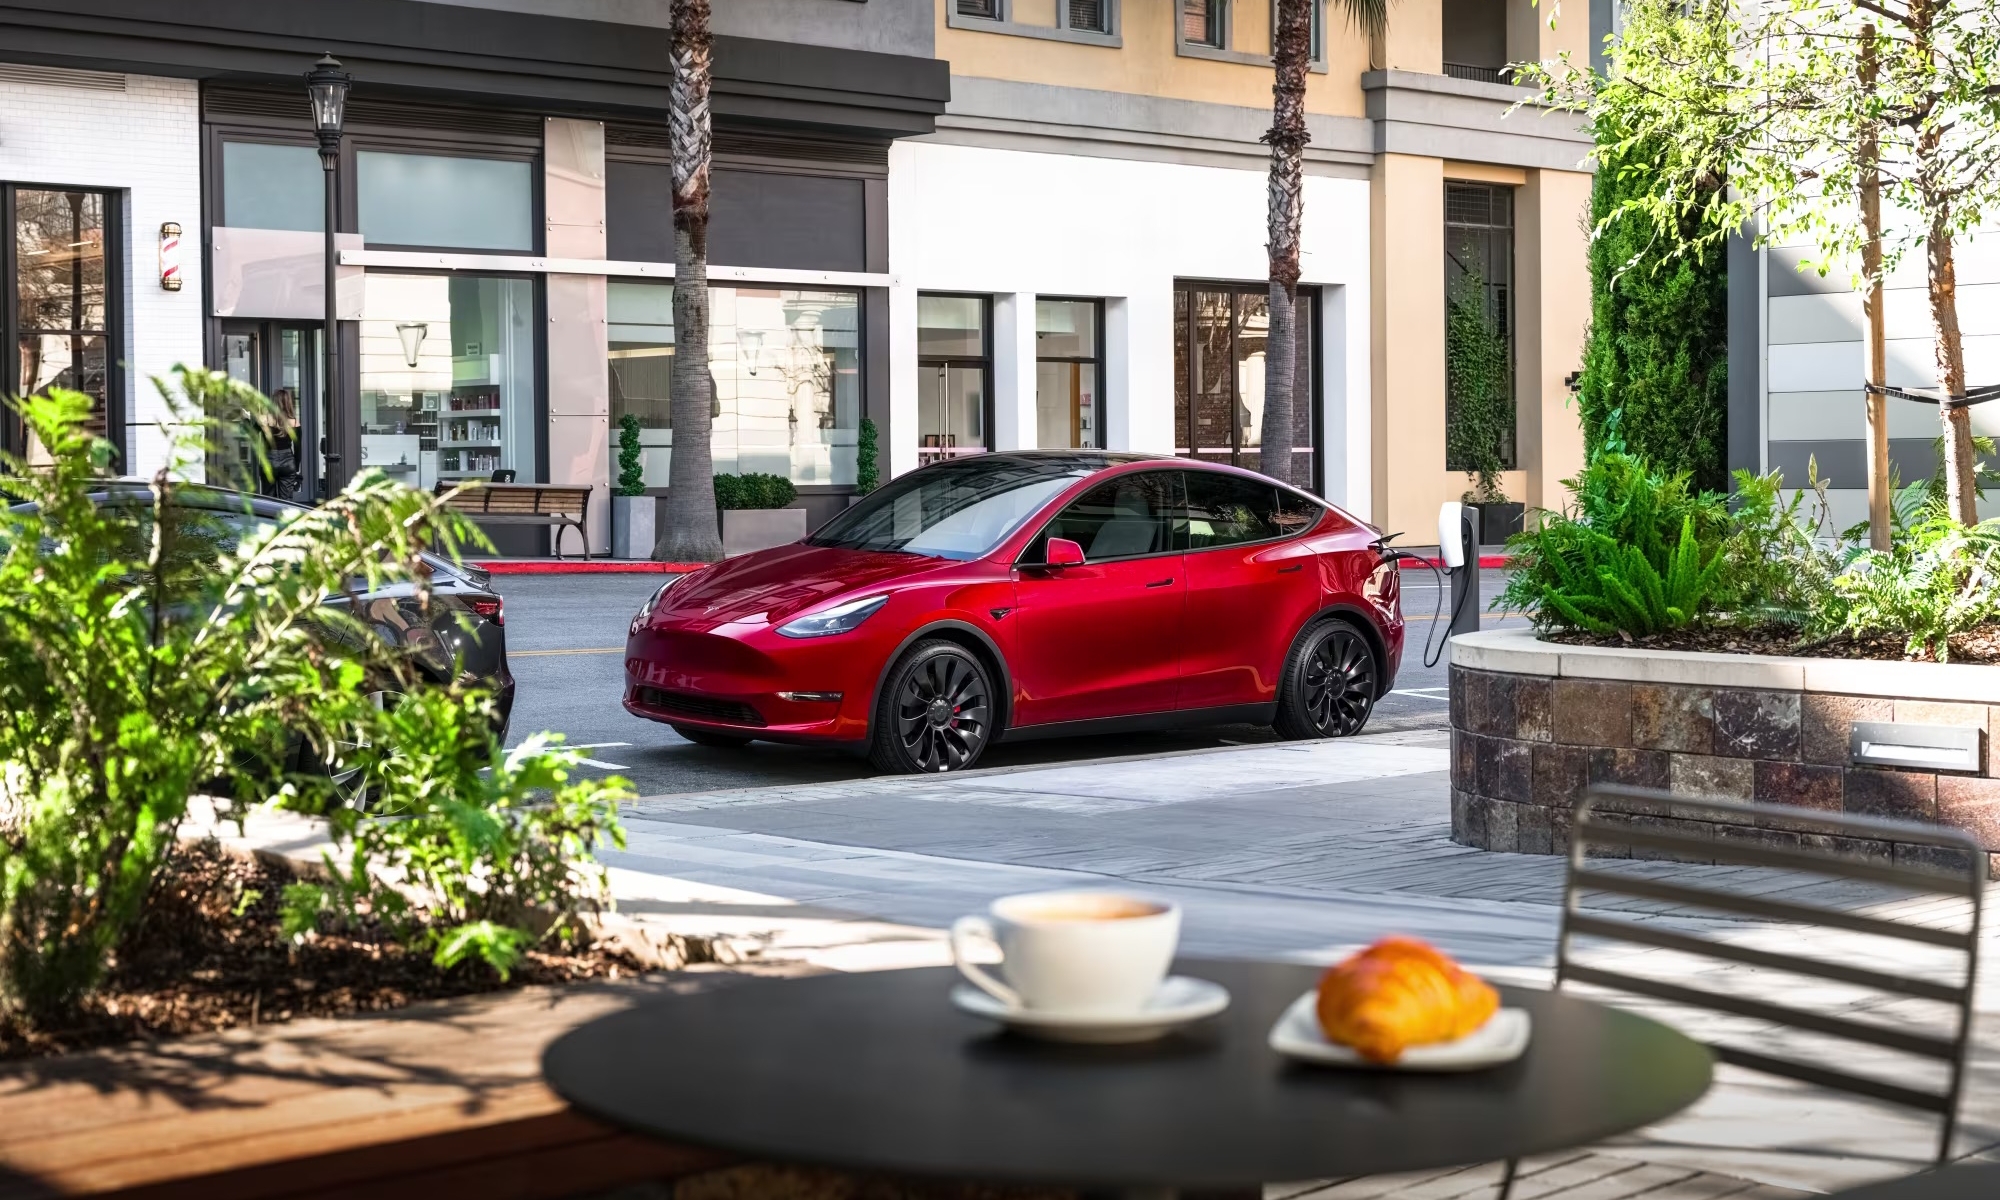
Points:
(545, 653)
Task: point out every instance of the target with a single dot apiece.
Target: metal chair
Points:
(1960, 872)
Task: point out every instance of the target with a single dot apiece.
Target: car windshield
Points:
(960, 509)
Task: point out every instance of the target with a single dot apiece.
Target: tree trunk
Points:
(690, 534)
(1292, 57)
(1874, 346)
(1961, 492)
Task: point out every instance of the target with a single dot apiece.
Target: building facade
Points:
(983, 224)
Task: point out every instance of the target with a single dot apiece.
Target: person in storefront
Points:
(281, 445)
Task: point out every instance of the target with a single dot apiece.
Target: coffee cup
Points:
(1082, 952)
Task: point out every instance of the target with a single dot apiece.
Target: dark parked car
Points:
(464, 625)
(1029, 594)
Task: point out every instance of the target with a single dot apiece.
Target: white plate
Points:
(1502, 1039)
(1179, 1000)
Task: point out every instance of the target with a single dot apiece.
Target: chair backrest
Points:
(1625, 822)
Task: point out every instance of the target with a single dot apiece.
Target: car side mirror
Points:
(1063, 553)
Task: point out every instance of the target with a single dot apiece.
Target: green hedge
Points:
(753, 490)
(1656, 360)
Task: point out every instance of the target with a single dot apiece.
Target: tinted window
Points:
(1224, 510)
(1296, 514)
(962, 509)
(444, 200)
(1122, 518)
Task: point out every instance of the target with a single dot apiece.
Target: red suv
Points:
(1031, 594)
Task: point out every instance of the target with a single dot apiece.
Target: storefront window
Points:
(954, 376)
(1221, 333)
(63, 305)
(1479, 294)
(266, 186)
(1069, 366)
(448, 369)
(445, 200)
(787, 369)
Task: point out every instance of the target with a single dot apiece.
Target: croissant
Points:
(1399, 993)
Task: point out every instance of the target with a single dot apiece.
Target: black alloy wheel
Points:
(936, 711)
(1329, 684)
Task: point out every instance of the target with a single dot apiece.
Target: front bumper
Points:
(730, 679)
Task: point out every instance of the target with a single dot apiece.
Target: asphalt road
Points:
(566, 637)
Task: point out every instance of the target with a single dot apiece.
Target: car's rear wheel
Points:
(1328, 688)
(709, 737)
(935, 712)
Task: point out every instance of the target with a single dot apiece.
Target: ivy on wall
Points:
(1479, 398)
(1657, 352)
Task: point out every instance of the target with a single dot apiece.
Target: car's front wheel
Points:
(1328, 689)
(935, 712)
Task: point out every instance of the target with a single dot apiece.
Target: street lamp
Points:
(326, 87)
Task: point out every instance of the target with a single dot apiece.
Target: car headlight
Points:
(652, 602)
(838, 619)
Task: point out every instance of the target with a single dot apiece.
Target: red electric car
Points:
(1031, 594)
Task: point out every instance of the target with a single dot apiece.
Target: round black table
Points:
(878, 1072)
(1968, 1181)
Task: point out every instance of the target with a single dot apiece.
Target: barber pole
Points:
(170, 257)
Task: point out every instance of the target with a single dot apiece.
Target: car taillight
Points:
(493, 610)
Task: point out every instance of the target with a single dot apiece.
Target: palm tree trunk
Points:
(1874, 346)
(690, 534)
(1291, 54)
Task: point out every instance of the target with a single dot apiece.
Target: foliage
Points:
(1940, 578)
(1779, 572)
(631, 471)
(1658, 346)
(1478, 389)
(452, 853)
(867, 467)
(1774, 98)
(1637, 553)
(753, 489)
(149, 648)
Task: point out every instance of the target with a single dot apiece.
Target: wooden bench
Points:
(527, 504)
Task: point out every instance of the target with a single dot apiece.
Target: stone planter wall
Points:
(1534, 723)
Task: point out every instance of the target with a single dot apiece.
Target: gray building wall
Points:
(883, 26)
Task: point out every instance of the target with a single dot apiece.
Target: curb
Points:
(1487, 562)
(555, 567)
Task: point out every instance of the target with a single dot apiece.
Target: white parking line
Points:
(1424, 693)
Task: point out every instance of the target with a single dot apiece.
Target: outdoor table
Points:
(878, 1072)
(1967, 1181)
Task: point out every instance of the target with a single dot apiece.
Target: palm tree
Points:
(690, 534)
(1291, 56)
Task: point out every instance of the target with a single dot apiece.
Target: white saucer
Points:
(1502, 1039)
(1179, 1000)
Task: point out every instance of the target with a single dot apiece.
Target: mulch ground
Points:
(1981, 645)
(210, 955)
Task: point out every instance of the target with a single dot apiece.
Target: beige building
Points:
(1106, 151)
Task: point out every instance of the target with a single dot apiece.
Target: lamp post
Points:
(326, 87)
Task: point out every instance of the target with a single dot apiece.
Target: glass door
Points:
(230, 462)
(283, 362)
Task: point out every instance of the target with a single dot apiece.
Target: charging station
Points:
(1458, 546)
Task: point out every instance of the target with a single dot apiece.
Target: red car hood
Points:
(778, 583)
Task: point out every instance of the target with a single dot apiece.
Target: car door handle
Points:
(1161, 582)
(1290, 569)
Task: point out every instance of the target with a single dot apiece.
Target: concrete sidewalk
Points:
(1290, 850)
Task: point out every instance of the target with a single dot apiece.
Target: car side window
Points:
(1227, 510)
(1296, 514)
(1127, 517)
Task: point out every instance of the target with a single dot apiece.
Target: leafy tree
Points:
(1658, 346)
(691, 534)
(1774, 98)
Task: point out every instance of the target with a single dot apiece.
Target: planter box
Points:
(633, 530)
(1533, 723)
(747, 529)
(1498, 522)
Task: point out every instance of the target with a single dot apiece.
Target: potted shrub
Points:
(632, 510)
(1479, 423)
(867, 470)
(753, 513)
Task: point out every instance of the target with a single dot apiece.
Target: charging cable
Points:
(1390, 554)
